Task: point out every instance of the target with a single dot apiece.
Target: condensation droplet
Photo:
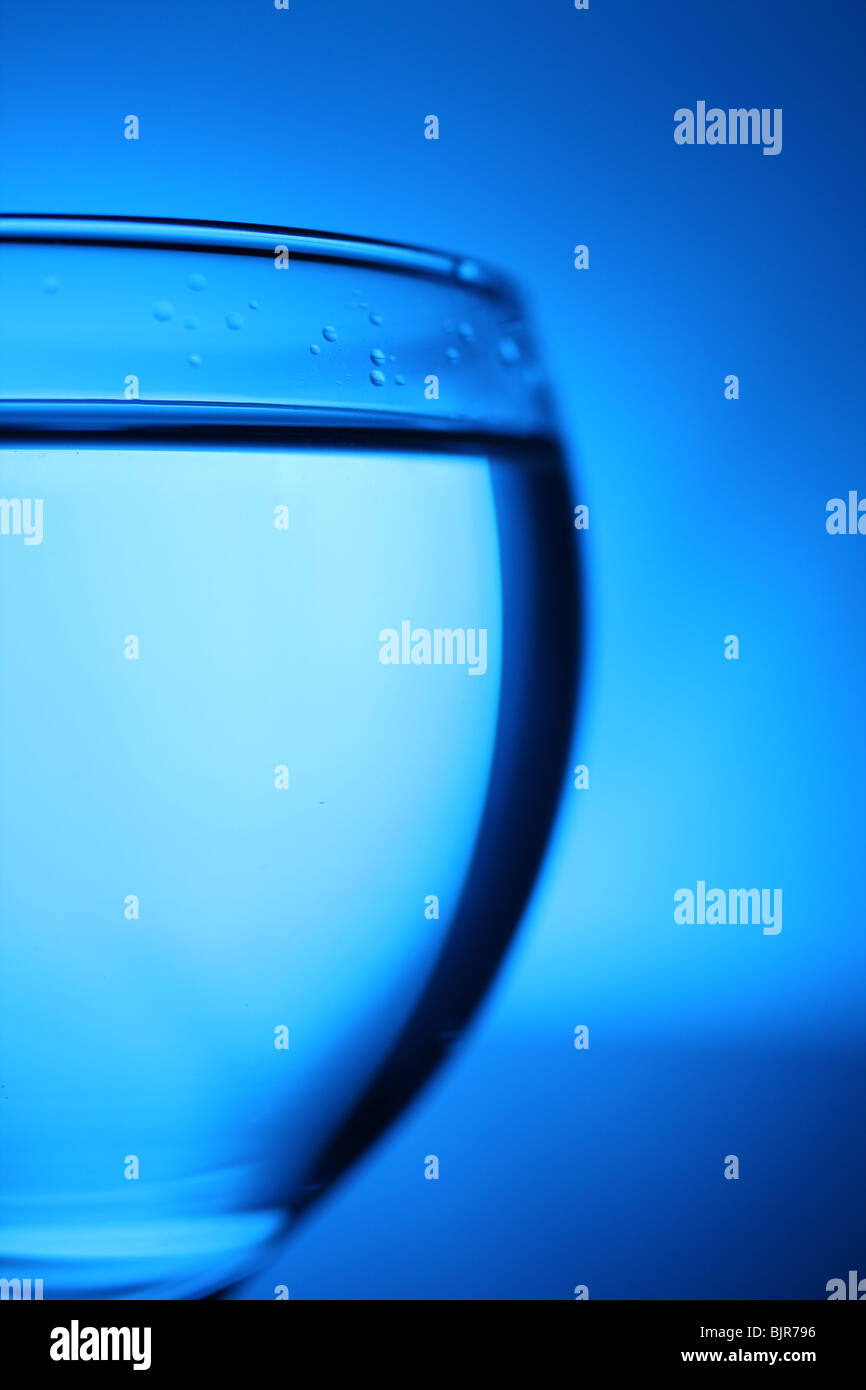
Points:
(315, 349)
(377, 356)
(377, 378)
(453, 354)
(329, 333)
(163, 310)
(466, 331)
(196, 282)
(254, 304)
(190, 323)
(194, 359)
(50, 284)
(509, 351)
(376, 319)
(399, 380)
(234, 321)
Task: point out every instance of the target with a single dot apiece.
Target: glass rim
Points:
(421, 336)
(179, 234)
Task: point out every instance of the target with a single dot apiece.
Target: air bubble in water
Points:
(399, 380)
(190, 323)
(466, 331)
(254, 304)
(377, 378)
(377, 357)
(196, 282)
(453, 354)
(329, 333)
(469, 271)
(50, 284)
(194, 359)
(234, 321)
(315, 349)
(163, 310)
(376, 319)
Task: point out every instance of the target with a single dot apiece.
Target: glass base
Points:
(195, 1259)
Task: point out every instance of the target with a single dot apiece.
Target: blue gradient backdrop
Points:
(561, 1167)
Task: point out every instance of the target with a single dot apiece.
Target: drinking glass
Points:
(288, 651)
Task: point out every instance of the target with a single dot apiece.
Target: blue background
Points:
(561, 1167)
